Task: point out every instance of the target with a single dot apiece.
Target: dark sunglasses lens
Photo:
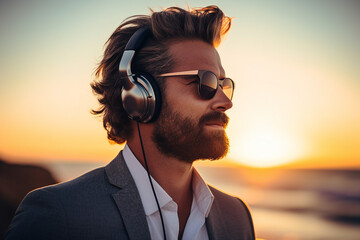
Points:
(208, 85)
(228, 87)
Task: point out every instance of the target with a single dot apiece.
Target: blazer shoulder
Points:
(43, 212)
(40, 216)
(232, 213)
(88, 183)
(66, 210)
(225, 198)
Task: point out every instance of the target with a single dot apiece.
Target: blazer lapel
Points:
(213, 225)
(128, 199)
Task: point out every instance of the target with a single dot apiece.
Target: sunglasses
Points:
(208, 82)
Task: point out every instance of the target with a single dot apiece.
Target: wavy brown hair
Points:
(169, 25)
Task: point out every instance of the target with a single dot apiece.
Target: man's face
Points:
(189, 127)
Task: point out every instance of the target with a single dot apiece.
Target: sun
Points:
(266, 148)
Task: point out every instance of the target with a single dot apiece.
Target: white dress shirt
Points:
(202, 200)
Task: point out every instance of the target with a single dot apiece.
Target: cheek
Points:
(189, 108)
(185, 100)
(178, 90)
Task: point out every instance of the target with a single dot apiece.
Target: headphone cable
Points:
(151, 183)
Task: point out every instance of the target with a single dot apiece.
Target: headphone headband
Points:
(138, 38)
(134, 44)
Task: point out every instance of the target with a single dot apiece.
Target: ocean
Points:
(286, 204)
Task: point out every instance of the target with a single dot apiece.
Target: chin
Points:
(211, 149)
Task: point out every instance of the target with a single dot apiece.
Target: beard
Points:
(185, 139)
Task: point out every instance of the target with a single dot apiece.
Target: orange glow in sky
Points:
(296, 68)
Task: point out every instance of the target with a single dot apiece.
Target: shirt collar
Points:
(141, 179)
(203, 197)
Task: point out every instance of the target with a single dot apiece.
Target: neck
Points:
(173, 175)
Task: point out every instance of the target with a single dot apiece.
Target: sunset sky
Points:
(296, 65)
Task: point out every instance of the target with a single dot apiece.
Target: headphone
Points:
(140, 94)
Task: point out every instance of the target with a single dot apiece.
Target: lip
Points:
(217, 125)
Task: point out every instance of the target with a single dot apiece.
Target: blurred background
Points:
(294, 129)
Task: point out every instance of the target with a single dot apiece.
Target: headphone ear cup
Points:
(134, 101)
(156, 90)
(142, 102)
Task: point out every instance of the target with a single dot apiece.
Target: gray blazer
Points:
(105, 204)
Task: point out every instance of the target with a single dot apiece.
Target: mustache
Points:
(214, 116)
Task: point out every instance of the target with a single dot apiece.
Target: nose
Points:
(220, 101)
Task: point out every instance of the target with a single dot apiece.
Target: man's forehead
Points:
(195, 55)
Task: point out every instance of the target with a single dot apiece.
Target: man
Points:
(164, 92)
